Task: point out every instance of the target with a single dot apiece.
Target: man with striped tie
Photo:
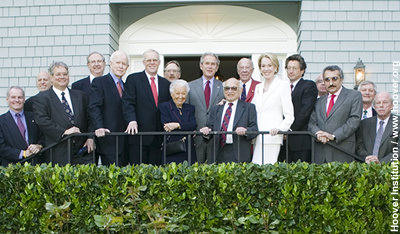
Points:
(368, 92)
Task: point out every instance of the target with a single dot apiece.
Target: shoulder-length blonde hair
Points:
(273, 58)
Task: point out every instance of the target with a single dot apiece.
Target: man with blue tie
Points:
(105, 107)
(19, 135)
(368, 92)
(245, 70)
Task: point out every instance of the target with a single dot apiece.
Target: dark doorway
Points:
(190, 67)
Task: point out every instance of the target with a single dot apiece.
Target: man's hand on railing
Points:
(372, 158)
(241, 131)
(132, 128)
(33, 149)
(324, 137)
(71, 130)
(205, 130)
(89, 144)
(101, 132)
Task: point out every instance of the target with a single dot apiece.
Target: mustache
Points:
(332, 86)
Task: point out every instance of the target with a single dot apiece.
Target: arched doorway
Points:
(189, 31)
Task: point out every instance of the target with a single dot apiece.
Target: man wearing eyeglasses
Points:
(234, 116)
(143, 92)
(172, 70)
(335, 118)
(96, 64)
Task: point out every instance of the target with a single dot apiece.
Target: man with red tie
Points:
(335, 118)
(245, 69)
(105, 105)
(144, 91)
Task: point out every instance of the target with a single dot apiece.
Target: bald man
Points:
(43, 83)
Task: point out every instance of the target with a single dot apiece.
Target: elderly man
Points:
(320, 85)
(206, 92)
(105, 104)
(19, 135)
(43, 83)
(59, 112)
(368, 92)
(96, 64)
(245, 69)
(335, 118)
(235, 115)
(144, 91)
(375, 138)
(172, 70)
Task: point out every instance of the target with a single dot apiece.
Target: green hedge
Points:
(233, 198)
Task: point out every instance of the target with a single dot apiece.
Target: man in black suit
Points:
(235, 115)
(144, 91)
(373, 143)
(19, 135)
(43, 83)
(368, 92)
(59, 112)
(96, 64)
(106, 110)
(304, 96)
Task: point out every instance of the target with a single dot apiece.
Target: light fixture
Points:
(359, 73)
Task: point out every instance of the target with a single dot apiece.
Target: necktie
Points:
(365, 114)
(225, 123)
(291, 87)
(378, 138)
(331, 103)
(20, 125)
(67, 108)
(243, 96)
(154, 90)
(119, 88)
(207, 93)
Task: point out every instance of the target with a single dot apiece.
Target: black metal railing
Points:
(68, 139)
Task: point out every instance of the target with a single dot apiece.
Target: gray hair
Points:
(55, 64)
(383, 92)
(95, 52)
(15, 87)
(367, 82)
(333, 68)
(151, 50)
(119, 51)
(211, 54)
(173, 62)
(181, 83)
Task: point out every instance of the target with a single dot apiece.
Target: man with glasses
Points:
(96, 64)
(335, 118)
(172, 70)
(234, 116)
(143, 92)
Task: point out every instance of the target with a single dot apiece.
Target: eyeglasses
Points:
(335, 78)
(292, 68)
(172, 70)
(233, 88)
(151, 60)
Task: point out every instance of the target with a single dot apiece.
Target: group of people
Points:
(356, 122)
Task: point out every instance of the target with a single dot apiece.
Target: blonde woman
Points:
(274, 107)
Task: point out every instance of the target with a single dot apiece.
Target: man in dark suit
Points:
(105, 105)
(235, 115)
(375, 138)
(144, 91)
(206, 92)
(59, 112)
(245, 69)
(43, 83)
(335, 118)
(96, 64)
(19, 135)
(368, 92)
(304, 96)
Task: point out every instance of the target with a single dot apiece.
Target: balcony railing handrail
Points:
(163, 133)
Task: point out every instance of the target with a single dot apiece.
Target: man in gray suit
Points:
(375, 140)
(235, 115)
(335, 118)
(205, 93)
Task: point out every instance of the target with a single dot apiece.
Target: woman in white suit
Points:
(273, 102)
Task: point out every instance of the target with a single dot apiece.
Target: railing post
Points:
(262, 149)
(238, 139)
(189, 147)
(69, 150)
(287, 148)
(116, 151)
(141, 150)
(312, 149)
(164, 161)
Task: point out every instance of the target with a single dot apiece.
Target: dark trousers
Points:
(108, 159)
(151, 154)
(226, 154)
(294, 156)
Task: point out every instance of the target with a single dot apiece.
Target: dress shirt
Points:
(229, 138)
(211, 85)
(91, 77)
(248, 84)
(21, 154)
(66, 95)
(384, 124)
(155, 80)
(369, 112)
(116, 80)
(334, 100)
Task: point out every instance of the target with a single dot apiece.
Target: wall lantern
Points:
(359, 73)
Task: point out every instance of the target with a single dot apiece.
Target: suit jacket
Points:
(366, 134)
(11, 140)
(245, 116)
(250, 94)
(52, 119)
(82, 85)
(105, 108)
(304, 97)
(28, 105)
(343, 121)
(197, 99)
(139, 105)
